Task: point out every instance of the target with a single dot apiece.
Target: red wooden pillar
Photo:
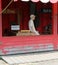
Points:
(55, 19)
(0, 18)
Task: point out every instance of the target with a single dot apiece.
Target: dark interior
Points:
(18, 13)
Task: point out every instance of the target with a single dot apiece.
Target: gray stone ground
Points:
(53, 61)
(49, 62)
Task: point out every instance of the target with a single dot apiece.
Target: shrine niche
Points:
(17, 17)
(15, 34)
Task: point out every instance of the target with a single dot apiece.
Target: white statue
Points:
(31, 25)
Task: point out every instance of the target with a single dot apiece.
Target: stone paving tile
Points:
(49, 62)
